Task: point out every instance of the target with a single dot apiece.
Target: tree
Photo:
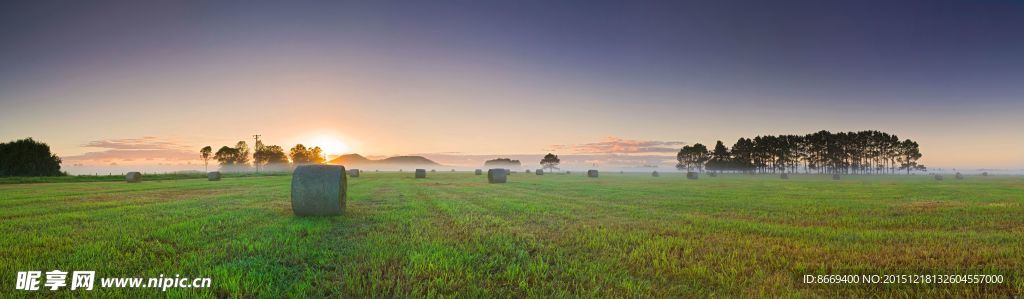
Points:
(227, 157)
(205, 153)
(550, 162)
(720, 158)
(269, 154)
(27, 157)
(692, 157)
(302, 155)
(909, 153)
(243, 153)
(299, 154)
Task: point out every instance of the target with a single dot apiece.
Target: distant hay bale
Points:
(478, 172)
(835, 177)
(592, 173)
(213, 176)
(692, 175)
(497, 175)
(319, 190)
(433, 170)
(133, 177)
(526, 171)
(959, 176)
(984, 173)
(622, 172)
(421, 173)
(938, 177)
(568, 172)
(540, 172)
(453, 170)
(784, 176)
(655, 174)
(353, 173)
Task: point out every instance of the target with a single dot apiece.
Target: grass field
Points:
(453, 234)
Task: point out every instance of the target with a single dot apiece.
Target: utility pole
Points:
(256, 146)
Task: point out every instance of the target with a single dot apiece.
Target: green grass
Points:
(453, 234)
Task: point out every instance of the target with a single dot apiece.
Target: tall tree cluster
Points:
(863, 152)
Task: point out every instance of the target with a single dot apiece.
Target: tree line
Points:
(271, 156)
(863, 152)
(27, 157)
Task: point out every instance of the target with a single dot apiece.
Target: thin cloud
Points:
(615, 145)
(147, 148)
(144, 143)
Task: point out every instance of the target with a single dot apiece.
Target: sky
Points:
(108, 83)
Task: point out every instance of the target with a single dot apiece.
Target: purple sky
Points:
(502, 77)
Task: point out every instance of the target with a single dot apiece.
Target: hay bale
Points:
(984, 173)
(784, 176)
(692, 175)
(592, 173)
(213, 176)
(526, 171)
(540, 172)
(421, 173)
(835, 177)
(478, 172)
(319, 190)
(133, 177)
(655, 174)
(938, 177)
(433, 170)
(622, 172)
(568, 172)
(959, 176)
(497, 175)
(453, 170)
(353, 173)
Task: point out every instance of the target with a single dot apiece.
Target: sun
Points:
(330, 145)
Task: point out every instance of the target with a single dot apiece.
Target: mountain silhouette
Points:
(357, 159)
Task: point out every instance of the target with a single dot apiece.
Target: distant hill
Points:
(357, 159)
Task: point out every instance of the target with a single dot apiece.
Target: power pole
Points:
(257, 149)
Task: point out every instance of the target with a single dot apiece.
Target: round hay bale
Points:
(568, 172)
(478, 172)
(692, 175)
(133, 177)
(622, 172)
(526, 171)
(319, 190)
(497, 175)
(959, 176)
(938, 177)
(353, 173)
(453, 170)
(540, 172)
(213, 176)
(984, 173)
(421, 173)
(433, 170)
(592, 173)
(655, 174)
(835, 177)
(784, 176)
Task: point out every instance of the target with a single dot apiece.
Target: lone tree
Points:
(206, 153)
(28, 157)
(550, 162)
